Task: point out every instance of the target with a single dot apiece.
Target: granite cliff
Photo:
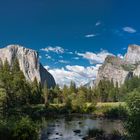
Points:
(29, 63)
(120, 69)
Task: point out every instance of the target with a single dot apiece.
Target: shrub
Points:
(5, 131)
(132, 124)
(24, 129)
(116, 112)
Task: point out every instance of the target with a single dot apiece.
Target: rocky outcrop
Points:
(133, 54)
(119, 70)
(29, 63)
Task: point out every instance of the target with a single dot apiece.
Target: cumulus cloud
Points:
(56, 49)
(46, 67)
(90, 35)
(79, 74)
(95, 58)
(129, 29)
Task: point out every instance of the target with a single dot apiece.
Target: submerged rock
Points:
(77, 131)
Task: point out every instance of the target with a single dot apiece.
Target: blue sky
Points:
(72, 36)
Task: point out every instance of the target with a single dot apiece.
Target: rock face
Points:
(133, 54)
(29, 63)
(119, 70)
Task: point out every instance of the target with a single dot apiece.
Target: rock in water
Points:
(29, 63)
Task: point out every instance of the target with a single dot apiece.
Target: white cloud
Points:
(120, 56)
(63, 61)
(56, 49)
(129, 30)
(48, 56)
(90, 35)
(46, 67)
(98, 23)
(79, 74)
(95, 58)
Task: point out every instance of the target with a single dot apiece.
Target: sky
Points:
(73, 37)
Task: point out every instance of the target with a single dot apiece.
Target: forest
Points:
(22, 104)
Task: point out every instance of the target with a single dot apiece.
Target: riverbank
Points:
(112, 110)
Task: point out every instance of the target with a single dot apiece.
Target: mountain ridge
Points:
(29, 63)
(120, 69)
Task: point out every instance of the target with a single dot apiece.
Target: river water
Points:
(62, 128)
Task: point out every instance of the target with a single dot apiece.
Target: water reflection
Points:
(76, 127)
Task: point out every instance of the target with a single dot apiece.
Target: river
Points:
(63, 127)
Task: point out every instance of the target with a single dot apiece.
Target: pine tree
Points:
(16, 67)
(65, 93)
(45, 92)
(73, 88)
(36, 92)
(6, 66)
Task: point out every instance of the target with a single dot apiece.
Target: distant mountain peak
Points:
(120, 69)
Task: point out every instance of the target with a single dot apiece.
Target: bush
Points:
(5, 131)
(132, 124)
(116, 112)
(89, 108)
(24, 129)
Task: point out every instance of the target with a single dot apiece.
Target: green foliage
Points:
(36, 92)
(22, 129)
(116, 112)
(45, 93)
(72, 88)
(25, 129)
(130, 85)
(133, 122)
(15, 91)
(107, 91)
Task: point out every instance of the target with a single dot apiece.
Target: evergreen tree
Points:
(102, 90)
(65, 93)
(73, 88)
(36, 92)
(16, 88)
(45, 93)
(16, 67)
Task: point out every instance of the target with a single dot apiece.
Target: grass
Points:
(107, 109)
(102, 108)
(99, 104)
